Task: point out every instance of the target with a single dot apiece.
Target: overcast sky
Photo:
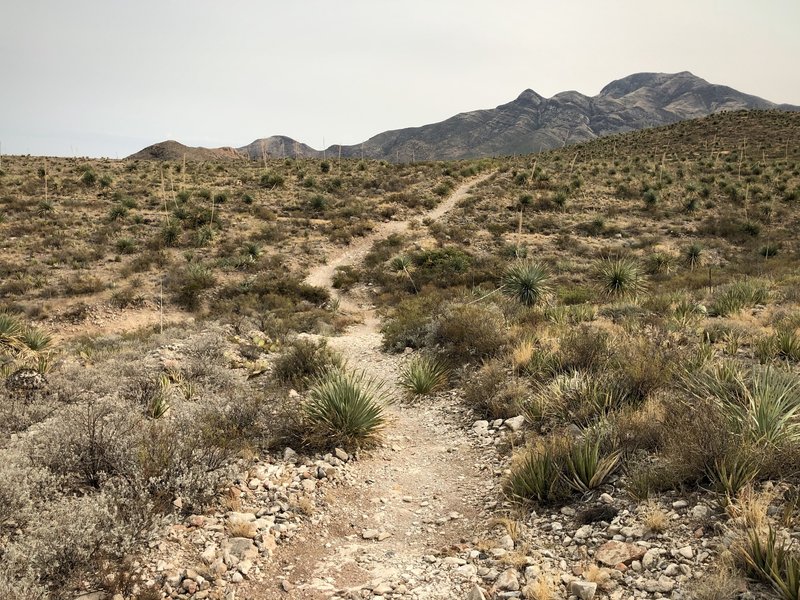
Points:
(108, 77)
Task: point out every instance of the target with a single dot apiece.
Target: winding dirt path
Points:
(422, 492)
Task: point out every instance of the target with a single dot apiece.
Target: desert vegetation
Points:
(633, 298)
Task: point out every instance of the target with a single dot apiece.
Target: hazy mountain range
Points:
(529, 123)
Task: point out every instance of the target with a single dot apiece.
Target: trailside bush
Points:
(467, 332)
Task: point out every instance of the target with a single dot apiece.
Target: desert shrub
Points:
(345, 277)
(271, 180)
(481, 388)
(125, 245)
(127, 297)
(345, 409)
(408, 325)
(526, 281)
(734, 297)
(88, 445)
(188, 283)
(303, 361)
(584, 349)
(643, 366)
(465, 332)
(89, 531)
(620, 277)
(442, 267)
(423, 375)
(639, 428)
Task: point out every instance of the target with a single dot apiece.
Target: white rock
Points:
(585, 590)
(515, 423)
(508, 580)
(507, 542)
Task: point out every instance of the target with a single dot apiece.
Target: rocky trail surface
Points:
(421, 493)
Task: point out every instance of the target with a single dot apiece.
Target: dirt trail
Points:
(422, 491)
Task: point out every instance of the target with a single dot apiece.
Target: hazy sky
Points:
(108, 77)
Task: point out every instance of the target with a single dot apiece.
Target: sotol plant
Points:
(526, 281)
(620, 277)
(345, 409)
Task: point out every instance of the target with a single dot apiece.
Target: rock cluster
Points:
(206, 555)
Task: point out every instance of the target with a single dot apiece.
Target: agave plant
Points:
(527, 281)
(345, 409)
(424, 375)
(620, 277)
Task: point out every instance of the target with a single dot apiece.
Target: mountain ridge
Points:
(527, 124)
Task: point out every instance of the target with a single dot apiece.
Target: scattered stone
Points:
(476, 594)
(515, 423)
(585, 590)
(241, 548)
(613, 553)
(508, 580)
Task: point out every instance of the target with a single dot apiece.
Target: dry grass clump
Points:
(654, 517)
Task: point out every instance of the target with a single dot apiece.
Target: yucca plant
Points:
(772, 562)
(773, 406)
(764, 405)
(403, 264)
(693, 255)
(788, 345)
(345, 409)
(423, 375)
(587, 466)
(620, 277)
(527, 281)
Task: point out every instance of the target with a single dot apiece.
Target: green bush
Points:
(188, 283)
(408, 325)
(466, 332)
(304, 361)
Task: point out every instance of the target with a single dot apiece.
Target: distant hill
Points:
(278, 146)
(532, 123)
(172, 150)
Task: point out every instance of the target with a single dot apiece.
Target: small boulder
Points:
(585, 590)
(613, 553)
